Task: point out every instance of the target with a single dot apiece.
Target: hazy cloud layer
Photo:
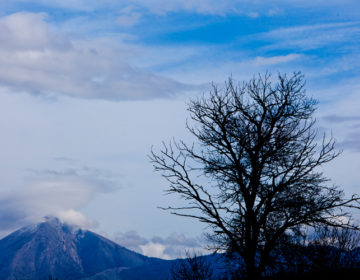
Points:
(352, 141)
(174, 246)
(36, 58)
(53, 193)
(341, 116)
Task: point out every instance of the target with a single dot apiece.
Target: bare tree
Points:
(193, 267)
(326, 248)
(252, 175)
(333, 248)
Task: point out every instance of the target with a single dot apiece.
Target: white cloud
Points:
(131, 240)
(74, 217)
(155, 250)
(28, 32)
(51, 64)
(128, 17)
(174, 246)
(274, 11)
(244, 69)
(310, 37)
(263, 61)
(253, 14)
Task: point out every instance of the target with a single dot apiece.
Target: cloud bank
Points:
(36, 58)
(52, 193)
(174, 246)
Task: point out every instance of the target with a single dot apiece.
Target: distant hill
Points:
(69, 253)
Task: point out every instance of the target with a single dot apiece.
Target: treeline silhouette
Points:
(327, 253)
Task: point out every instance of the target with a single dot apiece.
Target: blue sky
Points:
(87, 87)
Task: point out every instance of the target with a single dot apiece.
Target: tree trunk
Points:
(252, 270)
(253, 273)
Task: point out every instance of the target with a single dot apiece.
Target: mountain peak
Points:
(65, 251)
(56, 223)
(52, 220)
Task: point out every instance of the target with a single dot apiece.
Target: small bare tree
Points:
(326, 248)
(333, 248)
(252, 175)
(193, 267)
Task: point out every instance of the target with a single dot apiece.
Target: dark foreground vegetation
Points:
(306, 263)
(330, 274)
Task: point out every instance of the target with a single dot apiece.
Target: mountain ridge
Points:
(66, 252)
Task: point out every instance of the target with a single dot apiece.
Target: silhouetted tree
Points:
(193, 267)
(252, 175)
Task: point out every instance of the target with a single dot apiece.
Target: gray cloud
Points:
(59, 193)
(36, 59)
(340, 119)
(348, 126)
(351, 142)
(66, 160)
(173, 246)
(131, 240)
(177, 240)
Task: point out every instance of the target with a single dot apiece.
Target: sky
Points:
(88, 87)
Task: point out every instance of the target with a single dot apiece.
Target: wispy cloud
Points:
(128, 17)
(340, 119)
(308, 37)
(199, 6)
(266, 61)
